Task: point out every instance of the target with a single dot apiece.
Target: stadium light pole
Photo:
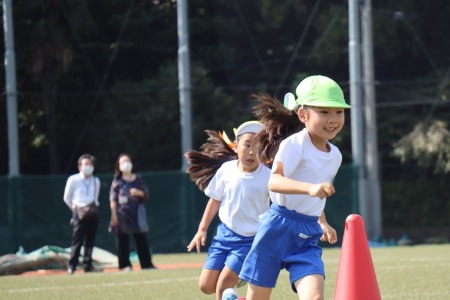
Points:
(11, 92)
(184, 80)
(371, 158)
(363, 114)
(357, 125)
(13, 135)
(184, 86)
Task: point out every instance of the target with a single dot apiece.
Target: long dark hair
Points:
(117, 172)
(205, 163)
(280, 122)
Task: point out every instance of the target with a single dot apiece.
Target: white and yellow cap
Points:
(249, 126)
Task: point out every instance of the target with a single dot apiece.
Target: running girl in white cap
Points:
(238, 193)
(303, 166)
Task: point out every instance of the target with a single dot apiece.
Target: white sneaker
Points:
(229, 294)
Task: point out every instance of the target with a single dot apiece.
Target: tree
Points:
(428, 144)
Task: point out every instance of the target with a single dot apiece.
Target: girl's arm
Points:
(200, 237)
(278, 183)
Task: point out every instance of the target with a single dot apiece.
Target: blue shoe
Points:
(229, 294)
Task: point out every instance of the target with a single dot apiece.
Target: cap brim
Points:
(249, 127)
(327, 103)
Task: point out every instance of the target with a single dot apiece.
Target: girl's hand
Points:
(322, 190)
(198, 241)
(329, 234)
(136, 192)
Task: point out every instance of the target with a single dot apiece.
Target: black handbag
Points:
(88, 212)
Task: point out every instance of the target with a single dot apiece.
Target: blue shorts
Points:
(227, 249)
(285, 239)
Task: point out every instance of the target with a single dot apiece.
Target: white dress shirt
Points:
(81, 190)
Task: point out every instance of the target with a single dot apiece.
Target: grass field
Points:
(416, 272)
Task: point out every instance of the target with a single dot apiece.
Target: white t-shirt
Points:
(302, 161)
(244, 196)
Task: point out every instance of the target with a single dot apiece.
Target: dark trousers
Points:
(142, 248)
(83, 234)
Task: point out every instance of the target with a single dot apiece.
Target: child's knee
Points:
(206, 289)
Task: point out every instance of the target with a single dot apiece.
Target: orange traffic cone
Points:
(356, 276)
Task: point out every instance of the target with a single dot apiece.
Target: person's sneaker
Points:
(92, 269)
(70, 271)
(230, 294)
(152, 267)
(126, 269)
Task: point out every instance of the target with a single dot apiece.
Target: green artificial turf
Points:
(414, 272)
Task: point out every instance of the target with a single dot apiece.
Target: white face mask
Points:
(126, 166)
(88, 170)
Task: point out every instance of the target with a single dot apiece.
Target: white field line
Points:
(124, 283)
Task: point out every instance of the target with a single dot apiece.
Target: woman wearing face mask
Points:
(128, 215)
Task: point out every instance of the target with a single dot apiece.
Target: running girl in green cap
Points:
(304, 164)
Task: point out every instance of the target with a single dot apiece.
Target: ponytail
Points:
(279, 121)
(205, 163)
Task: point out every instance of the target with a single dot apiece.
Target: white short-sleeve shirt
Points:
(302, 161)
(81, 191)
(244, 196)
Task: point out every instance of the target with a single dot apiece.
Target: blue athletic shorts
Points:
(285, 239)
(227, 249)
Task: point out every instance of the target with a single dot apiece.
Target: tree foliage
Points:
(428, 144)
(101, 76)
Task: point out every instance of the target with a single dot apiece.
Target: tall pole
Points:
(184, 80)
(11, 93)
(357, 125)
(14, 205)
(374, 220)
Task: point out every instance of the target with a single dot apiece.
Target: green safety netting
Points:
(35, 214)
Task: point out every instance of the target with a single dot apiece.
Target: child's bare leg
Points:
(227, 279)
(255, 292)
(310, 287)
(208, 281)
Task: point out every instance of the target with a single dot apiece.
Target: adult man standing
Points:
(81, 196)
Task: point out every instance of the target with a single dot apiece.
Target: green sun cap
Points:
(320, 91)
